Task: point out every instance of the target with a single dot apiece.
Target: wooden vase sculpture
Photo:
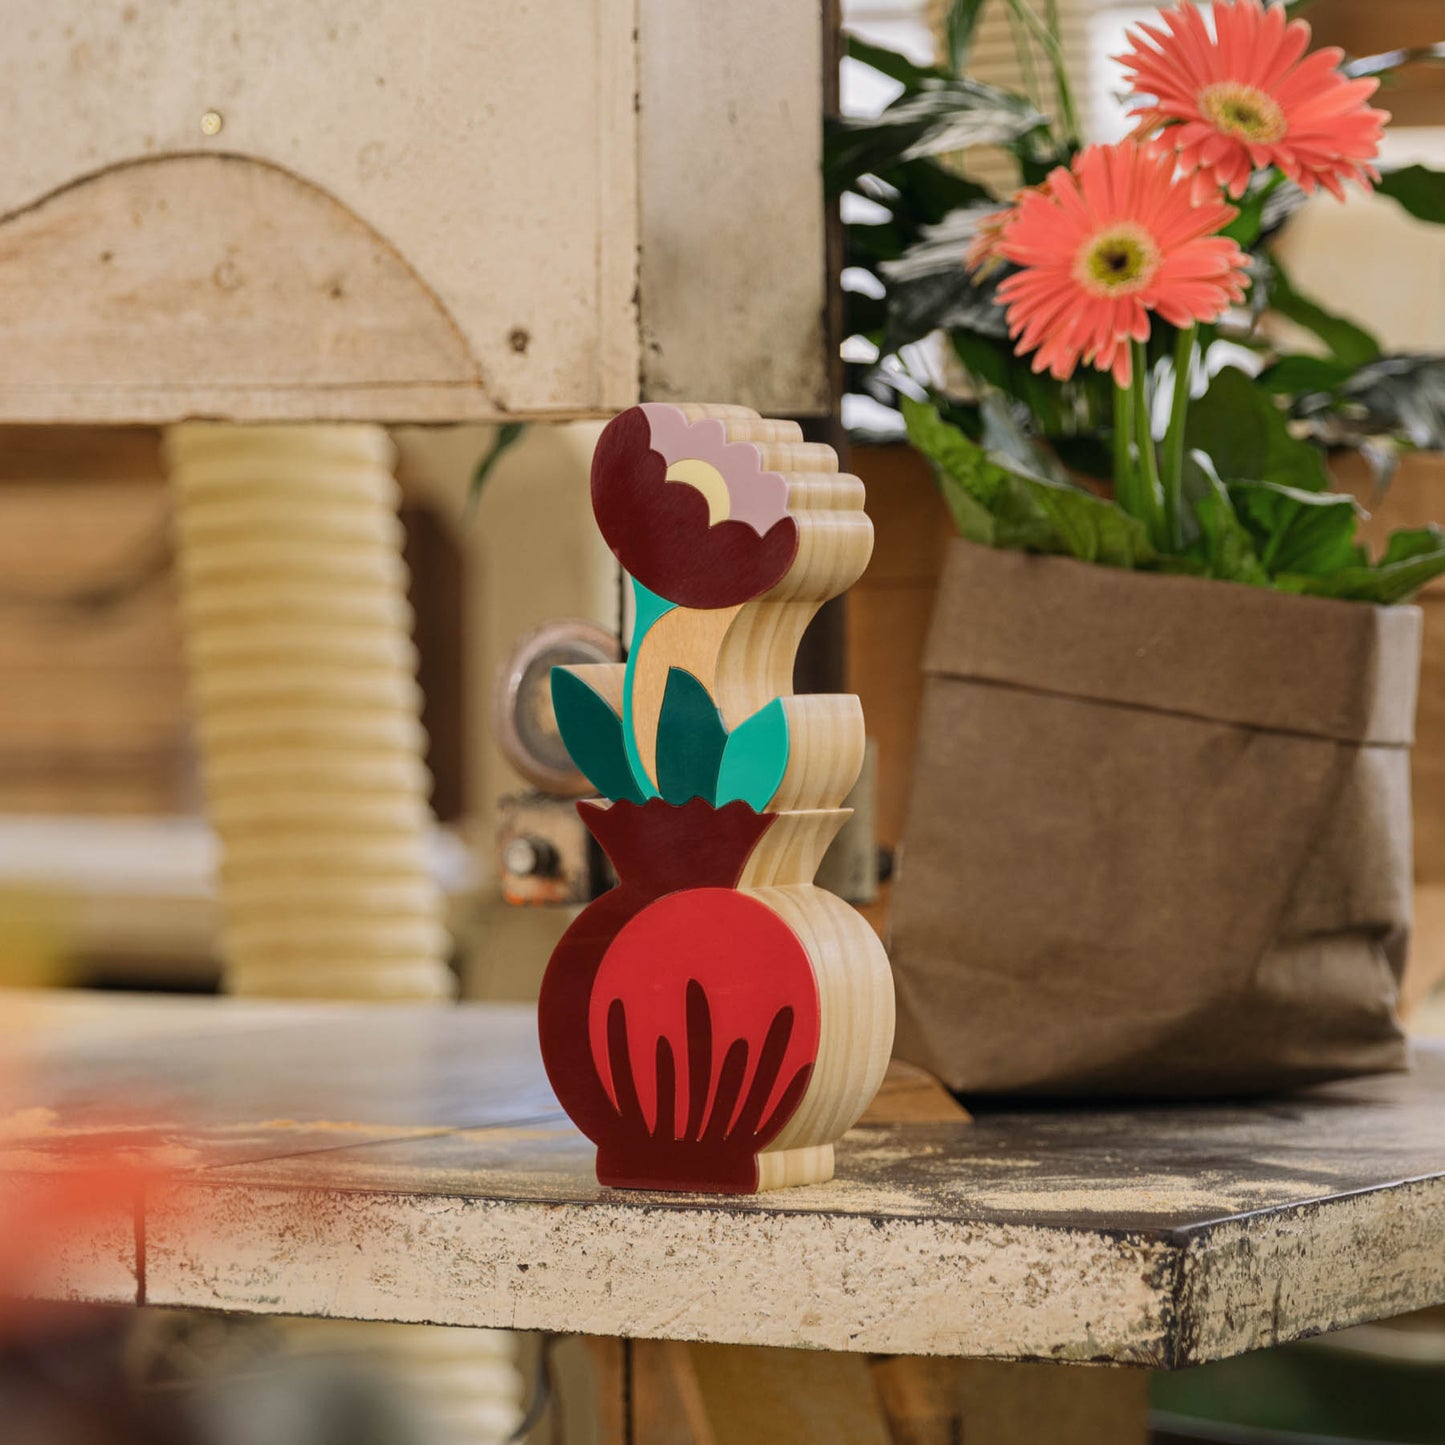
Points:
(715, 1021)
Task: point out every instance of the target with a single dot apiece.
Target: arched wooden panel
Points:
(596, 201)
(223, 280)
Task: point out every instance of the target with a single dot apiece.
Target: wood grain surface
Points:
(410, 1163)
(349, 211)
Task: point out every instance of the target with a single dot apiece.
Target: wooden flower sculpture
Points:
(716, 1021)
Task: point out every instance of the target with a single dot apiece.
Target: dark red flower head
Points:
(692, 516)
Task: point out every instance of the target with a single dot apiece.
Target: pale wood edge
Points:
(858, 1283)
(1263, 1279)
(443, 403)
(1153, 1299)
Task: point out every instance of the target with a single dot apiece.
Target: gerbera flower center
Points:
(1243, 111)
(1117, 262)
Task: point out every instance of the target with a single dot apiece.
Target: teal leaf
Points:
(690, 740)
(593, 735)
(755, 758)
(1238, 425)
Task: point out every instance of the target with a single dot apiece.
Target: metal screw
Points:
(211, 123)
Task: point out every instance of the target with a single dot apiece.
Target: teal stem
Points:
(1144, 442)
(648, 609)
(1174, 438)
(1126, 489)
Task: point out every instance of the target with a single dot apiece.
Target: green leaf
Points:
(1398, 396)
(1346, 341)
(1411, 542)
(962, 468)
(941, 116)
(1420, 190)
(997, 505)
(959, 22)
(1389, 60)
(929, 288)
(1237, 424)
(690, 740)
(755, 758)
(1225, 545)
(923, 191)
(1298, 533)
(1011, 447)
(593, 735)
(1292, 375)
(890, 62)
(1388, 583)
(508, 435)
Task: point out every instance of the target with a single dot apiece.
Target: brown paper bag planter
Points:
(1159, 836)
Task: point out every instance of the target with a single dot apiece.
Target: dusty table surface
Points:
(410, 1163)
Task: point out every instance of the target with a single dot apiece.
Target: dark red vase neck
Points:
(663, 847)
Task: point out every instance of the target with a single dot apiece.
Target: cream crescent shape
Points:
(705, 478)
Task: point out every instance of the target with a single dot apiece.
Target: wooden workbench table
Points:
(411, 1164)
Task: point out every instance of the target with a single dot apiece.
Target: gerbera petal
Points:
(1242, 92)
(1102, 246)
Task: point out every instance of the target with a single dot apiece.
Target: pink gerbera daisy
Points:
(1242, 98)
(983, 251)
(1103, 245)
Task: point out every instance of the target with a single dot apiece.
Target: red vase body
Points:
(679, 1016)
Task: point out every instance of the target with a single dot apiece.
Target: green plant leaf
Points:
(1237, 424)
(690, 740)
(1419, 189)
(1346, 341)
(923, 191)
(1293, 375)
(592, 733)
(1412, 542)
(1268, 202)
(1389, 405)
(1001, 507)
(1390, 581)
(508, 435)
(890, 63)
(755, 758)
(959, 22)
(1225, 545)
(1401, 397)
(929, 288)
(1388, 60)
(1299, 533)
(941, 116)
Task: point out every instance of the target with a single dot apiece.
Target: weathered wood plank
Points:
(732, 284)
(421, 159)
(1147, 1236)
(350, 210)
